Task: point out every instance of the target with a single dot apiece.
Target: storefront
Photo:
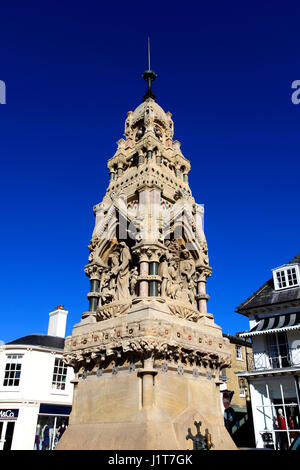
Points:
(8, 420)
(51, 424)
(276, 411)
(33, 427)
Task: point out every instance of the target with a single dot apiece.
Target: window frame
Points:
(283, 272)
(271, 401)
(59, 375)
(242, 388)
(10, 373)
(239, 355)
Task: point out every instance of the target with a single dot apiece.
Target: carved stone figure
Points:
(114, 263)
(149, 118)
(187, 268)
(133, 280)
(173, 286)
(93, 247)
(123, 274)
(182, 294)
(108, 288)
(204, 255)
(163, 272)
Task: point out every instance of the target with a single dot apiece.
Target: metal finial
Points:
(149, 76)
(149, 68)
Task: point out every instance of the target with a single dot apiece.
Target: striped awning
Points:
(290, 321)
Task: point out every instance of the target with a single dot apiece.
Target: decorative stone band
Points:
(175, 308)
(93, 294)
(142, 339)
(149, 171)
(202, 297)
(149, 277)
(159, 368)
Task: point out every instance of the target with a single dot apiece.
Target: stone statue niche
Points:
(118, 283)
(177, 270)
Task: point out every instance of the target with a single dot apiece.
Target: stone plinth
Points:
(165, 378)
(109, 412)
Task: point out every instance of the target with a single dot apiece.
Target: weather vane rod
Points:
(149, 68)
(149, 76)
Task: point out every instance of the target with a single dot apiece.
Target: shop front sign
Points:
(9, 414)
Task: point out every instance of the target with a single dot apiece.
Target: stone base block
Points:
(138, 411)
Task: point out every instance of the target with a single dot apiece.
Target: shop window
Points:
(12, 373)
(49, 430)
(59, 374)
(279, 416)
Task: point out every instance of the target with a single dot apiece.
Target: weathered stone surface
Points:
(147, 355)
(112, 415)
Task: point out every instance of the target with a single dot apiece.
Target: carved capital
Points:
(202, 273)
(149, 251)
(93, 270)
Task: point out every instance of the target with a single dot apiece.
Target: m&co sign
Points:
(9, 414)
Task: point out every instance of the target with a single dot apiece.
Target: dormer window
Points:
(286, 276)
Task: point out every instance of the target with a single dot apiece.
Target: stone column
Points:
(140, 159)
(120, 169)
(93, 271)
(149, 155)
(178, 173)
(202, 296)
(147, 390)
(143, 286)
(93, 295)
(144, 210)
(153, 287)
(75, 390)
(147, 374)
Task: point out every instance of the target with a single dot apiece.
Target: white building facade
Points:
(36, 389)
(274, 367)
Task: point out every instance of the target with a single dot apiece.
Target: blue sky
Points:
(72, 71)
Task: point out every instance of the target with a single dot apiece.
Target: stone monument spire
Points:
(149, 76)
(147, 354)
